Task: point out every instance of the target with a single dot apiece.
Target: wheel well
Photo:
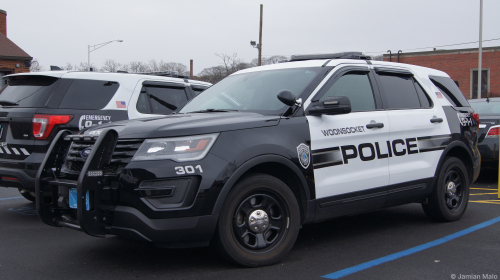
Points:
(463, 155)
(287, 176)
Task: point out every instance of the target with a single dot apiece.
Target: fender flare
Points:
(252, 163)
(445, 152)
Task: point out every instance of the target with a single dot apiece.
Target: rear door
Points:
(19, 101)
(418, 132)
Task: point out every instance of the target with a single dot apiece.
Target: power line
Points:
(441, 46)
(417, 48)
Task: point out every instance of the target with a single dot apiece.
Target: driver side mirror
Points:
(287, 97)
(333, 105)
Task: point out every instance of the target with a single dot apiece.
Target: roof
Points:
(107, 76)
(9, 50)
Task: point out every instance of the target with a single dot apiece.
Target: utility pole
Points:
(260, 35)
(480, 66)
(191, 69)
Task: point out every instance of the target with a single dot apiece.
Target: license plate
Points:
(73, 199)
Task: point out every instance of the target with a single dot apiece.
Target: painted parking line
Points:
(486, 201)
(11, 198)
(482, 193)
(366, 265)
(487, 189)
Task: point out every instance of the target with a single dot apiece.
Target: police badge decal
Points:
(304, 155)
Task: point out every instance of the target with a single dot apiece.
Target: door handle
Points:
(374, 125)
(436, 120)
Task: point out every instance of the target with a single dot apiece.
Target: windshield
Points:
(27, 91)
(485, 108)
(254, 91)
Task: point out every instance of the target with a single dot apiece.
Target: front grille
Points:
(122, 155)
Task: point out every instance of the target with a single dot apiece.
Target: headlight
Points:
(178, 149)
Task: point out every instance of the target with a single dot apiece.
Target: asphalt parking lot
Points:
(394, 243)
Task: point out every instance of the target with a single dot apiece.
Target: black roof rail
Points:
(342, 55)
(164, 74)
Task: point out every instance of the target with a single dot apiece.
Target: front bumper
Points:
(118, 205)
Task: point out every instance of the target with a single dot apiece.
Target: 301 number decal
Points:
(188, 169)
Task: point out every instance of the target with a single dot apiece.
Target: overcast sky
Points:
(56, 32)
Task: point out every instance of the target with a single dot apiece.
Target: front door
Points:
(349, 151)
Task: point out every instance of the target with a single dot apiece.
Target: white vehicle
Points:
(35, 106)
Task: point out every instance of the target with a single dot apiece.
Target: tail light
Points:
(475, 116)
(44, 124)
(494, 131)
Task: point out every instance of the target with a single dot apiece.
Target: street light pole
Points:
(260, 35)
(98, 46)
(480, 66)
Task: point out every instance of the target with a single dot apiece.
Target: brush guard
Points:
(89, 185)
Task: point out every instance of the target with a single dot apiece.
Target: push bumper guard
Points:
(89, 184)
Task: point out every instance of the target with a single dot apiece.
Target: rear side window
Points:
(88, 94)
(27, 91)
(450, 91)
(160, 100)
(399, 91)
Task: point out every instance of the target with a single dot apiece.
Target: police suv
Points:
(247, 162)
(35, 106)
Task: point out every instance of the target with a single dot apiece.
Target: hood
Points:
(186, 124)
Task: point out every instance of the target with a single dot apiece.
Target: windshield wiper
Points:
(213, 110)
(8, 103)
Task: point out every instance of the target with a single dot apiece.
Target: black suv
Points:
(35, 106)
(268, 149)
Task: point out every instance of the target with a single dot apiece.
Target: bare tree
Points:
(137, 67)
(35, 66)
(110, 65)
(232, 63)
(179, 68)
(153, 65)
(269, 60)
(69, 66)
(213, 74)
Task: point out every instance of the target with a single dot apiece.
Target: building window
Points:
(485, 82)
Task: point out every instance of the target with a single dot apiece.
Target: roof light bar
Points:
(342, 55)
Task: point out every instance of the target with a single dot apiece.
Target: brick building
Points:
(461, 65)
(12, 58)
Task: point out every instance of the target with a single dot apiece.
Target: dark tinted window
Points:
(399, 91)
(450, 90)
(357, 87)
(163, 100)
(88, 94)
(28, 91)
(198, 90)
(143, 103)
(424, 98)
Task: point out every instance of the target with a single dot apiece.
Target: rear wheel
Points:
(450, 196)
(28, 195)
(259, 222)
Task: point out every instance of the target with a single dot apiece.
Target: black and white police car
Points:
(35, 106)
(266, 150)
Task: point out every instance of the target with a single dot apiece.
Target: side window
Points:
(399, 91)
(424, 98)
(160, 100)
(356, 86)
(198, 90)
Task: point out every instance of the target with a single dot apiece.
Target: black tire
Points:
(450, 195)
(28, 195)
(267, 240)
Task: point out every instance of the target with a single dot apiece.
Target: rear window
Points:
(88, 94)
(450, 91)
(27, 91)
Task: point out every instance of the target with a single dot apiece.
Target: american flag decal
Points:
(439, 95)
(121, 104)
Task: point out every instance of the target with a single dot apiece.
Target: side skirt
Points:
(372, 199)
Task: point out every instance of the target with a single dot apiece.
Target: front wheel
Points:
(450, 196)
(259, 222)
